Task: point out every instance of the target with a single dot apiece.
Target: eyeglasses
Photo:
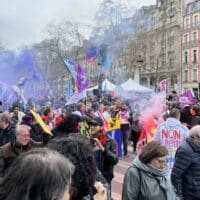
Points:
(24, 135)
(160, 161)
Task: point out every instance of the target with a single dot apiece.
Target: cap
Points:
(97, 121)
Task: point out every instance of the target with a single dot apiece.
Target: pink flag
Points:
(163, 86)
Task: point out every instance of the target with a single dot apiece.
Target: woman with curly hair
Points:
(77, 148)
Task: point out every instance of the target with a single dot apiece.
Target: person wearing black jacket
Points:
(1, 106)
(7, 129)
(185, 175)
(105, 149)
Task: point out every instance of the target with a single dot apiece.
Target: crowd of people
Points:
(77, 160)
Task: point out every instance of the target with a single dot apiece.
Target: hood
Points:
(173, 122)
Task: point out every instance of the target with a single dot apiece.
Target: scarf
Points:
(102, 137)
(161, 175)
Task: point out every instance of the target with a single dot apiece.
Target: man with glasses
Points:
(14, 148)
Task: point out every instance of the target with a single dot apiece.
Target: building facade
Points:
(163, 45)
(191, 47)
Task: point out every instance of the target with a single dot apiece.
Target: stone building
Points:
(162, 49)
(191, 47)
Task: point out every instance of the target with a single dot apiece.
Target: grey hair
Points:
(195, 131)
(5, 116)
(20, 127)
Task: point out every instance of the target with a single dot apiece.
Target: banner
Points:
(163, 86)
(113, 125)
(45, 128)
(148, 132)
(187, 98)
(81, 81)
(77, 96)
(92, 54)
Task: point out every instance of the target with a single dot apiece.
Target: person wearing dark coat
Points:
(1, 106)
(105, 149)
(195, 118)
(185, 175)
(147, 177)
(7, 129)
(22, 143)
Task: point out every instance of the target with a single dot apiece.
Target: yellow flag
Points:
(114, 123)
(45, 128)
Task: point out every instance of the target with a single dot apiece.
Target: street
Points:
(119, 172)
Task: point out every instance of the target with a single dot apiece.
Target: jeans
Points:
(125, 136)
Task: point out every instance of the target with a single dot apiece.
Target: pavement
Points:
(119, 172)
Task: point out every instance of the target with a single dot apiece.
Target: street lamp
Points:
(138, 69)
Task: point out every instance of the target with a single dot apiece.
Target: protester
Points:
(171, 134)
(102, 114)
(81, 109)
(48, 116)
(78, 150)
(125, 126)
(195, 118)
(71, 124)
(1, 104)
(185, 117)
(16, 115)
(186, 174)
(105, 149)
(20, 144)
(40, 174)
(147, 178)
(7, 129)
(136, 128)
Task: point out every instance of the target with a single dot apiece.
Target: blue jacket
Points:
(186, 172)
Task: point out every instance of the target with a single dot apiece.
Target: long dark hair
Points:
(40, 174)
(77, 148)
(68, 125)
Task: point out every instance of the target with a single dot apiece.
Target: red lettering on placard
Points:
(171, 134)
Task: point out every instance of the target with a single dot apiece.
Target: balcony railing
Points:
(190, 44)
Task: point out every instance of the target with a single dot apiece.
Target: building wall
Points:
(191, 45)
(163, 54)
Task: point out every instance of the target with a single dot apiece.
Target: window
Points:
(171, 63)
(195, 19)
(162, 63)
(194, 74)
(185, 76)
(194, 36)
(171, 47)
(194, 56)
(152, 61)
(186, 57)
(171, 19)
(186, 39)
(187, 23)
(173, 80)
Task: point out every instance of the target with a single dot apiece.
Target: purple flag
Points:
(78, 73)
(189, 96)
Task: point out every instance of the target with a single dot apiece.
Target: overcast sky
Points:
(23, 22)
